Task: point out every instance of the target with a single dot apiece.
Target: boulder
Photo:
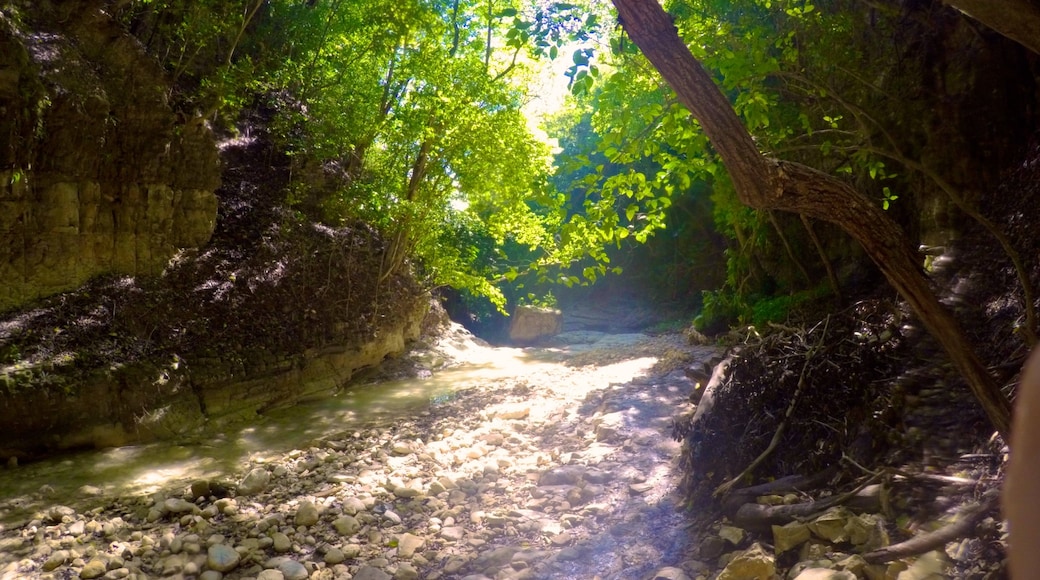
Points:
(531, 323)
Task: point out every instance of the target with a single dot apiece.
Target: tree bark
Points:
(768, 184)
(1018, 20)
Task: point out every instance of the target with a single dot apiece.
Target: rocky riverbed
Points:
(561, 471)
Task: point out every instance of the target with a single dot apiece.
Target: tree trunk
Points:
(767, 184)
(1018, 20)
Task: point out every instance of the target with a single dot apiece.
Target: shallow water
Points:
(84, 479)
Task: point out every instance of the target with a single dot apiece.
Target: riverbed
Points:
(551, 462)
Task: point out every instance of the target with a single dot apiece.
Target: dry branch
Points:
(965, 524)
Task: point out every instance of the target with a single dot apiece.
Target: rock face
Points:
(106, 409)
(531, 323)
(99, 175)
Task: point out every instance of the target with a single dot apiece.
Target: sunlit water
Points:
(84, 479)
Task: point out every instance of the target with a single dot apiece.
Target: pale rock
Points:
(222, 558)
(214, 575)
(530, 323)
(752, 564)
(855, 564)
(511, 411)
(562, 475)
(77, 528)
(306, 514)
(452, 533)
(928, 566)
(179, 506)
(408, 544)
(401, 448)
(731, 534)
(412, 489)
(352, 506)
(790, 536)
(254, 482)
(346, 525)
(351, 551)
(271, 575)
(831, 526)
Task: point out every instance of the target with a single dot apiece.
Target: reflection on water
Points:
(78, 479)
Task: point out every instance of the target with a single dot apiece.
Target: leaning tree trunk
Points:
(765, 184)
(1018, 20)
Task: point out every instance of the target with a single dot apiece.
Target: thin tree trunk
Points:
(764, 183)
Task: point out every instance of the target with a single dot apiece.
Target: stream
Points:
(547, 463)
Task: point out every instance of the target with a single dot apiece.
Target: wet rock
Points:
(271, 575)
(222, 558)
(254, 482)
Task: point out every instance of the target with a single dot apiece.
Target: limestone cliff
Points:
(97, 174)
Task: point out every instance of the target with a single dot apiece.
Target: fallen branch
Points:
(755, 517)
(964, 524)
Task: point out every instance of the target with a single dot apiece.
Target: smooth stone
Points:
(670, 573)
(453, 533)
(254, 482)
(293, 570)
(179, 506)
(271, 575)
(57, 558)
(281, 542)
(371, 573)
(352, 506)
(222, 558)
(406, 572)
(334, 556)
(95, 568)
(211, 575)
(200, 488)
(306, 514)
(346, 525)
